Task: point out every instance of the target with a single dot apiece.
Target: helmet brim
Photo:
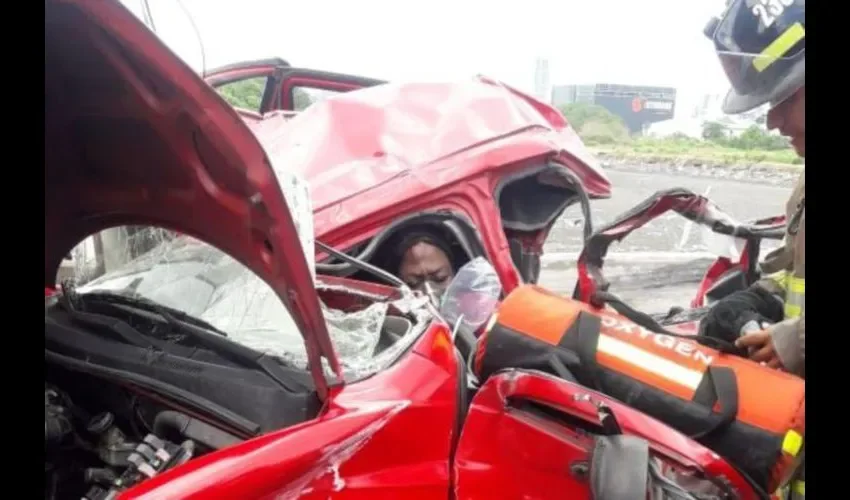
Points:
(736, 103)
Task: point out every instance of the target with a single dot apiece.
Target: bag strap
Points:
(725, 385)
(722, 379)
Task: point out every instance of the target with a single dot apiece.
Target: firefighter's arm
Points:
(789, 341)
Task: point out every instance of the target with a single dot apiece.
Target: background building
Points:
(637, 106)
(541, 79)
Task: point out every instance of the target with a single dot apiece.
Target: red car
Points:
(213, 364)
(393, 158)
(490, 165)
(512, 202)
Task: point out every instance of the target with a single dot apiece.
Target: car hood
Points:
(133, 136)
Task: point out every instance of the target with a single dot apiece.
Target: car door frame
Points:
(272, 69)
(290, 78)
(282, 79)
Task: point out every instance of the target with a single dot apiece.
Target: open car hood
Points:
(133, 136)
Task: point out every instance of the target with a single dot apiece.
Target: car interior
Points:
(530, 202)
(453, 231)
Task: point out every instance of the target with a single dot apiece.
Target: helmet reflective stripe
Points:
(779, 47)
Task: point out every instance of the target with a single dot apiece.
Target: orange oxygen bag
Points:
(751, 415)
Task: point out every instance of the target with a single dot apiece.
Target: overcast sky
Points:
(648, 42)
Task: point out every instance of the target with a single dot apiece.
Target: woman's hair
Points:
(404, 240)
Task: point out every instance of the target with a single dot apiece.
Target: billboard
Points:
(637, 106)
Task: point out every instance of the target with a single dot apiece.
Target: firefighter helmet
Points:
(762, 48)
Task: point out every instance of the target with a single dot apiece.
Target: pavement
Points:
(660, 264)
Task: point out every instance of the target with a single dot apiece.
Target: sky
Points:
(649, 42)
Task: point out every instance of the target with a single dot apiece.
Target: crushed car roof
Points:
(369, 149)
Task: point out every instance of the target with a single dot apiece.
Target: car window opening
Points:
(431, 247)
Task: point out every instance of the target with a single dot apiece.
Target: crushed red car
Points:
(490, 166)
(214, 363)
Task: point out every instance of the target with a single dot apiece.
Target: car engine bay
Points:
(133, 388)
(99, 444)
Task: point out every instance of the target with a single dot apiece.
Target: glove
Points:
(727, 317)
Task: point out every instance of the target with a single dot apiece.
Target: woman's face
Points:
(425, 263)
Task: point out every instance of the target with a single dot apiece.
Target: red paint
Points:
(714, 271)
(301, 81)
(689, 205)
(369, 166)
(289, 78)
(236, 171)
(225, 77)
(392, 434)
(723, 264)
(410, 411)
(406, 414)
(375, 156)
(399, 433)
(507, 452)
(637, 104)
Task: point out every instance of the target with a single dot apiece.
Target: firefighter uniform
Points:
(761, 47)
(786, 276)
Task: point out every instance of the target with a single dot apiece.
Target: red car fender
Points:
(507, 450)
(387, 436)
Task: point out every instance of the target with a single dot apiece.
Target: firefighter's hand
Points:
(760, 347)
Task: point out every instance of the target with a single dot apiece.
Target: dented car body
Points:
(154, 386)
(485, 165)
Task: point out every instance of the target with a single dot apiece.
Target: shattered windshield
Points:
(188, 275)
(192, 277)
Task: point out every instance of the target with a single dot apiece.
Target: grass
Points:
(696, 151)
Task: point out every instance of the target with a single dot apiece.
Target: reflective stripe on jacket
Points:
(793, 291)
(785, 275)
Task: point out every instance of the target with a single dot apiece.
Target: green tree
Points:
(301, 99)
(714, 131)
(248, 94)
(756, 137)
(245, 94)
(595, 124)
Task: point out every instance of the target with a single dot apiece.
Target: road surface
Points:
(654, 268)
